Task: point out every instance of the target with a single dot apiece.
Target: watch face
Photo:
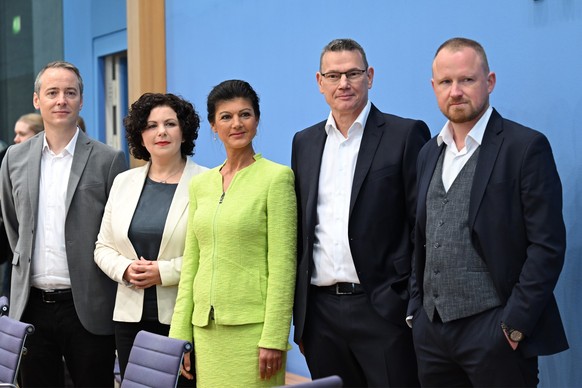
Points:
(516, 336)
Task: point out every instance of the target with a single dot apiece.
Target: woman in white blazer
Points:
(141, 241)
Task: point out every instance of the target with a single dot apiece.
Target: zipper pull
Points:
(221, 198)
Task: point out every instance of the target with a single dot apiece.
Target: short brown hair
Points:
(458, 43)
(345, 44)
(59, 65)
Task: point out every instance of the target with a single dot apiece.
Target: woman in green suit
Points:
(235, 295)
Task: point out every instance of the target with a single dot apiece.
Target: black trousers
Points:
(125, 333)
(59, 333)
(469, 352)
(345, 336)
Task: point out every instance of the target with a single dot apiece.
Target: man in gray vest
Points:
(490, 237)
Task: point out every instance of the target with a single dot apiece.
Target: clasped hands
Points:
(143, 273)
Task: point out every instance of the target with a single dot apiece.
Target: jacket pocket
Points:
(16, 259)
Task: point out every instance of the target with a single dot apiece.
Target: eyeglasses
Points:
(336, 76)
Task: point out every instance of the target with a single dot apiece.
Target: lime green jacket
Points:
(240, 255)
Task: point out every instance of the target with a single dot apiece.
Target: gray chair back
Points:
(324, 382)
(154, 361)
(12, 338)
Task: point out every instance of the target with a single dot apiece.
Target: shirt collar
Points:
(360, 120)
(70, 148)
(475, 134)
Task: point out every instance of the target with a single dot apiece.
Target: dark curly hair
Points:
(136, 121)
(229, 90)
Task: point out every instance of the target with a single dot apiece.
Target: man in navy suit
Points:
(355, 177)
(489, 237)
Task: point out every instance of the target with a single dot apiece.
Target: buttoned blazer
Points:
(516, 225)
(114, 251)
(93, 169)
(381, 215)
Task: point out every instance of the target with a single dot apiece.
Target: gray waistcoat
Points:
(456, 280)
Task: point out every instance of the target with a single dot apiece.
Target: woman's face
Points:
(235, 123)
(162, 136)
(22, 132)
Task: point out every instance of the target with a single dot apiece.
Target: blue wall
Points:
(93, 29)
(533, 46)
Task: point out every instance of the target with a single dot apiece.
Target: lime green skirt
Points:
(228, 356)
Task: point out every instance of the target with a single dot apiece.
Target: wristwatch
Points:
(514, 335)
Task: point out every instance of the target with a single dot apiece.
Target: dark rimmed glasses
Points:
(336, 76)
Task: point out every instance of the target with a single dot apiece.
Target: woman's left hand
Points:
(270, 362)
(144, 273)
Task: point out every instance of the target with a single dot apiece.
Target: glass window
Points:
(31, 35)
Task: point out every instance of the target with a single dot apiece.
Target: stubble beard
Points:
(464, 115)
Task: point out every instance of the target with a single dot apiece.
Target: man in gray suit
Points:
(53, 193)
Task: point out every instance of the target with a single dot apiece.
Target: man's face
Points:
(345, 97)
(59, 99)
(461, 85)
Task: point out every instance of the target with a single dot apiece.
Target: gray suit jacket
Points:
(94, 167)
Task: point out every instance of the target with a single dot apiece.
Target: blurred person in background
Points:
(81, 124)
(27, 126)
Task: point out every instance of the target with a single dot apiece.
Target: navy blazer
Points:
(515, 218)
(381, 216)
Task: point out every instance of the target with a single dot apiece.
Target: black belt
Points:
(52, 296)
(341, 289)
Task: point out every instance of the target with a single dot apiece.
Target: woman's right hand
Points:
(185, 368)
(143, 273)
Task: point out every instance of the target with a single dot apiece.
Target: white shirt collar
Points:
(70, 148)
(474, 136)
(360, 120)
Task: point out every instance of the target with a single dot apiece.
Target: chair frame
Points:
(3, 305)
(13, 335)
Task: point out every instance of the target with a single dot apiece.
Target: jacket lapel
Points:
(426, 172)
(492, 140)
(178, 206)
(312, 170)
(370, 140)
(82, 151)
(130, 194)
(33, 172)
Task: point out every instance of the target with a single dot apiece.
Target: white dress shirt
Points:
(333, 262)
(50, 270)
(456, 159)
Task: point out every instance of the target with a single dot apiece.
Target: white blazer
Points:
(114, 251)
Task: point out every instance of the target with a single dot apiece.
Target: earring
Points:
(214, 136)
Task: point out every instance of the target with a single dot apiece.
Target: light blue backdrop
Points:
(535, 47)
